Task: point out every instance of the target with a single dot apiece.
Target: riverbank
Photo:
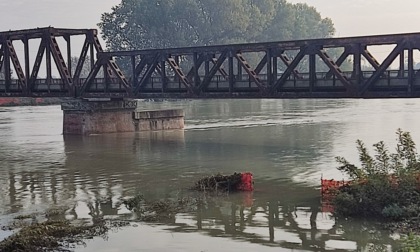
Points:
(28, 101)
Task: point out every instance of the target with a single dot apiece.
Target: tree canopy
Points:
(144, 24)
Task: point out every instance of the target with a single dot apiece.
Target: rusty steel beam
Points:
(17, 66)
(213, 71)
(335, 69)
(40, 32)
(290, 68)
(150, 69)
(178, 71)
(381, 70)
(288, 62)
(61, 64)
(158, 72)
(252, 74)
(340, 60)
(285, 45)
(369, 57)
(37, 64)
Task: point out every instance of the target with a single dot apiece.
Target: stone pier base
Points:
(86, 118)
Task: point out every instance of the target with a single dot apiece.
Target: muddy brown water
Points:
(287, 144)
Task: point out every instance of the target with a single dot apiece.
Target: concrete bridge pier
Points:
(83, 117)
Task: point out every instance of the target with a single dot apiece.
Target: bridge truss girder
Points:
(228, 71)
(20, 75)
(303, 68)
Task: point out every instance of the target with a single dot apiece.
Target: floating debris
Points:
(226, 183)
(163, 210)
(54, 235)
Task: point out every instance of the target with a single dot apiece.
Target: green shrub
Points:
(393, 212)
(410, 243)
(385, 185)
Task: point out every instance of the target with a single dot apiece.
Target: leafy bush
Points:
(410, 243)
(385, 185)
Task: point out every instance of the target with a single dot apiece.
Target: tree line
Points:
(145, 24)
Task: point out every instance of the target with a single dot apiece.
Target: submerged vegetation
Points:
(34, 233)
(219, 183)
(51, 236)
(159, 210)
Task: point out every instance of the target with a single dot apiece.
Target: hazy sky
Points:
(351, 17)
(369, 17)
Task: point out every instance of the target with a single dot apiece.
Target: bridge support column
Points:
(86, 118)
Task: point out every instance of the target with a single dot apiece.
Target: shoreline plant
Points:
(386, 187)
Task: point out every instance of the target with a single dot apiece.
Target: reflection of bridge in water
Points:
(244, 70)
(286, 223)
(292, 220)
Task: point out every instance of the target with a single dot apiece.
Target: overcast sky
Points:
(351, 17)
(369, 17)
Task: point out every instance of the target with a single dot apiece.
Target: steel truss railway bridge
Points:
(313, 68)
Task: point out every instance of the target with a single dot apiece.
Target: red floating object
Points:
(247, 182)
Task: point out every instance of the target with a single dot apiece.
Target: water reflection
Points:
(291, 221)
(287, 144)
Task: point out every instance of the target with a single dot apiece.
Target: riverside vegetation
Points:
(386, 187)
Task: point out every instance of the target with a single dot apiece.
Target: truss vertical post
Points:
(26, 52)
(196, 66)
(269, 67)
(231, 73)
(7, 73)
(410, 70)
(133, 71)
(239, 67)
(48, 64)
(92, 55)
(206, 67)
(69, 61)
(163, 71)
(402, 65)
(275, 71)
(312, 71)
(357, 66)
(107, 81)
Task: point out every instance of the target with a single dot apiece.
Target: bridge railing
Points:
(391, 78)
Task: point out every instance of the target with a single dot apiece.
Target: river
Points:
(287, 144)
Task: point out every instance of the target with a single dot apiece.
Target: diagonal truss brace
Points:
(288, 62)
(347, 52)
(61, 64)
(177, 70)
(16, 64)
(289, 70)
(37, 64)
(151, 67)
(335, 69)
(213, 70)
(252, 74)
(382, 68)
(369, 57)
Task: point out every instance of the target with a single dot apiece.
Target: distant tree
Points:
(140, 24)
